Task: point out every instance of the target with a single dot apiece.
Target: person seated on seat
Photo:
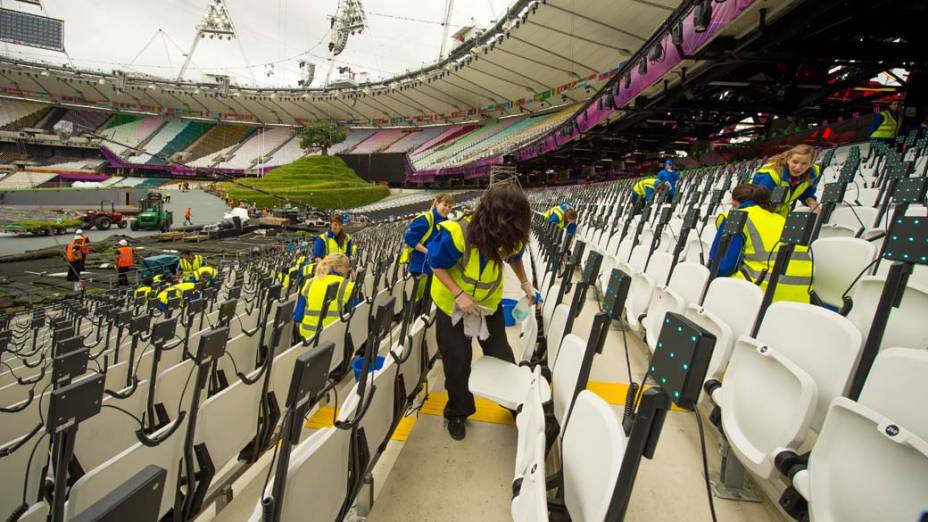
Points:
(670, 176)
(467, 257)
(335, 268)
(563, 216)
(643, 191)
(334, 240)
(793, 169)
(173, 290)
(420, 230)
(751, 256)
(146, 289)
(189, 264)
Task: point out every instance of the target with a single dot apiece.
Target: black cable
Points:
(705, 463)
(861, 274)
(270, 468)
(117, 408)
(29, 465)
(184, 391)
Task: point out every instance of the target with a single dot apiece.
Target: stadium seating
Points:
(14, 113)
(213, 143)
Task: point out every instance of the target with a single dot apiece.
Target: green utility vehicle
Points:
(152, 214)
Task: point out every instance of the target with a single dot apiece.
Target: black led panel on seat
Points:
(798, 228)
(681, 359)
(907, 240)
(616, 293)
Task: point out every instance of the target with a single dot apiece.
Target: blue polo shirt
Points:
(731, 262)
(443, 253)
(319, 244)
(766, 181)
(670, 178)
(418, 263)
(571, 227)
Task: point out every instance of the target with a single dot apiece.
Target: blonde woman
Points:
(334, 268)
(793, 169)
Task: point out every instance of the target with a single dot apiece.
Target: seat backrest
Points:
(317, 477)
(688, 280)
(593, 448)
(564, 374)
(905, 326)
(100, 481)
(557, 325)
(897, 388)
(378, 418)
(659, 267)
(639, 256)
(882, 437)
(530, 422)
(528, 336)
(550, 303)
(822, 343)
(411, 351)
(531, 504)
(223, 437)
(838, 261)
(734, 301)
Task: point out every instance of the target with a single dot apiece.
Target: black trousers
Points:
(456, 354)
(124, 275)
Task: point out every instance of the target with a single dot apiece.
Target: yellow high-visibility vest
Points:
(314, 293)
(485, 286)
(762, 232)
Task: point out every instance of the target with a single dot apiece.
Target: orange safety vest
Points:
(85, 245)
(187, 213)
(72, 252)
(123, 257)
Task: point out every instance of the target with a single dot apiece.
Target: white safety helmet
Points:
(78, 231)
(123, 242)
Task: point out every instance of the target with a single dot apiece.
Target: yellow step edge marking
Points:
(487, 411)
(614, 392)
(324, 415)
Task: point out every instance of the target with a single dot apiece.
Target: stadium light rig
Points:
(349, 19)
(216, 22)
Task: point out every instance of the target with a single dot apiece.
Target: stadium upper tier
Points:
(537, 50)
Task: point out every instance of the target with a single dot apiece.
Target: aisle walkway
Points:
(436, 478)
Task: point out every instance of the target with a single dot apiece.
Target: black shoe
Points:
(457, 428)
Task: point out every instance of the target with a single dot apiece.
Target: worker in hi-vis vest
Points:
(564, 216)
(795, 171)
(75, 257)
(307, 315)
(125, 258)
(751, 256)
(189, 264)
(885, 125)
(643, 190)
(420, 230)
(466, 257)
(334, 240)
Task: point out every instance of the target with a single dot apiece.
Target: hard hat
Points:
(123, 242)
(78, 231)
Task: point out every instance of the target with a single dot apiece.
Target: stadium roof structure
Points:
(541, 53)
(810, 63)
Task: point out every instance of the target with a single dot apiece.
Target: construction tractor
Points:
(152, 214)
(104, 218)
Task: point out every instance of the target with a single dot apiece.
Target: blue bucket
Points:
(508, 305)
(358, 363)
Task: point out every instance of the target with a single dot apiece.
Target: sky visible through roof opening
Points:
(152, 37)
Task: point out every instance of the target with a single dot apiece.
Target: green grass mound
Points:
(320, 181)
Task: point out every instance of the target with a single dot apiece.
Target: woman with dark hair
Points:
(334, 240)
(751, 254)
(467, 258)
